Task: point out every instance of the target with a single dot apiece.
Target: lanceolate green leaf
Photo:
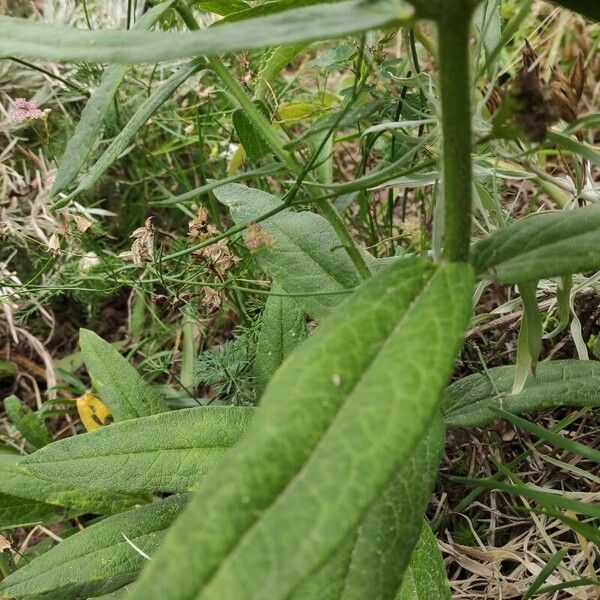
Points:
(139, 119)
(303, 256)
(426, 577)
(21, 37)
(283, 327)
(14, 482)
(469, 401)
(96, 560)
(544, 245)
(221, 7)
(81, 142)
(168, 452)
(337, 420)
(118, 383)
(27, 422)
(21, 512)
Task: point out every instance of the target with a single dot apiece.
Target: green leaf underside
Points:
(283, 327)
(469, 402)
(547, 244)
(168, 452)
(92, 116)
(305, 257)
(21, 37)
(21, 512)
(14, 482)
(96, 560)
(371, 563)
(426, 577)
(117, 382)
(340, 416)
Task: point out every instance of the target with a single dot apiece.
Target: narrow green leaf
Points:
(23, 512)
(588, 8)
(426, 577)
(552, 438)
(469, 401)
(303, 256)
(337, 420)
(250, 138)
(283, 327)
(548, 244)
(22, 37)
(566, 142)
(168, 452)
(117, 382)
(96, 560)
(545, 573)
(27, 422)
(82, 140)
(14, 482)
(120, 143)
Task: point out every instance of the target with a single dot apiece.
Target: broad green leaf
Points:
(548, 244)
(340, 417)
(469, 401)
(117, 382)
(120, 143)
(250, 138)
(588, 8)
(96, 560)
(283, 327)
(14, 482)
(22, 512)
(371, 562)
(22, 37)
(27, 422)
(426, 577)
(168, 452)
(305, 258)
(92, 116)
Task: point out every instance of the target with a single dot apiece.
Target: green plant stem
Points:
(453, 34)
(272, 138)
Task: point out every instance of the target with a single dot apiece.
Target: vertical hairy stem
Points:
(453, 28)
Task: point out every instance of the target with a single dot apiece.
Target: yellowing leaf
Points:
(236, 161)
(294, 112)
(92, 411)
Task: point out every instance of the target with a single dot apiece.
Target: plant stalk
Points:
(453, 35)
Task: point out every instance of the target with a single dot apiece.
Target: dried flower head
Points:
(219, 256)
(211, 298)
(200, 226)
(258, 237)
(54, 244)
(142, 249)
(23, 110)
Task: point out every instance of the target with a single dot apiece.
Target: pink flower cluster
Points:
(25, 110)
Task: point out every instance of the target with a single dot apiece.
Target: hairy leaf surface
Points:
(168, 452)
(117, 382)
(283, 327)
(21, 37)
(96, 560)
(547, 244)
(469, 401)
(303, 254)
(426, 577)
(338, 419)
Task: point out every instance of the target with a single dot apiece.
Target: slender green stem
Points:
(271, 136)
(453, 28)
